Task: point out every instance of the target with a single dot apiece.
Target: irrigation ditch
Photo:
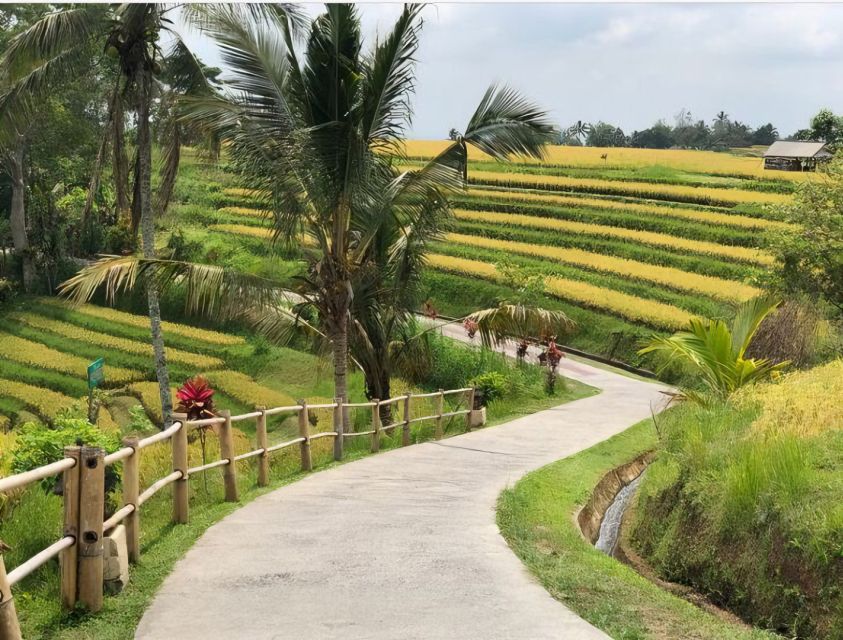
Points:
(605, 520)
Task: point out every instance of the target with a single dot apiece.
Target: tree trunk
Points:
(339, 350)
(17, 213)
(94, 184)
(386, 394)
(121, 162)
(147, 223)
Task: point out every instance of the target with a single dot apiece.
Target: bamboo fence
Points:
(82, 470)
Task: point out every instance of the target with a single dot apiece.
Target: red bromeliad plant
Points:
(471, 327)
(196, 398)
(554, 354)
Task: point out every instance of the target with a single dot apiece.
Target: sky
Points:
(626, 64)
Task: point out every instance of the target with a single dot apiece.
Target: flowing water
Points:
(610, 527)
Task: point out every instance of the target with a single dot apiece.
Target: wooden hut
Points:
(796, 156)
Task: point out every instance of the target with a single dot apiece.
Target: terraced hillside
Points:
(631, 240)
(637, 241)
(46, 347)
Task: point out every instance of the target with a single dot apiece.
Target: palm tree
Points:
(319, 138)
(716, 350)
(579, 130)
(58, 45)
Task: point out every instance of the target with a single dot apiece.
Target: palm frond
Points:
(209, 290)
(506, 321)
(49, 38)
(184, 72)
(255, 55)
(748, 318)
(390, 81)
(171, 156)
(506, 123)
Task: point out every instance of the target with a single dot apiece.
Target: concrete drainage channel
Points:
(600, 518)
(601, 522)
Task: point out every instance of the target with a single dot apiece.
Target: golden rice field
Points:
(706, 162)
(142, 322)
(627, 306)
(674, 278)
(678, 193)
(46, 347)
(35, 354)
(648, 236)
(43, 402)
(693, 215)
(812, 407)
(74, 332)
(742, 254)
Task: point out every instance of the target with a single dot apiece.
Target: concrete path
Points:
(398, 546)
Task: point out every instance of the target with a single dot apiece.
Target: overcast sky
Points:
(627, 64)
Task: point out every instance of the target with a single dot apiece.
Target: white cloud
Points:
(629, 64)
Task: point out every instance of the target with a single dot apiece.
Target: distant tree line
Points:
(686, 132)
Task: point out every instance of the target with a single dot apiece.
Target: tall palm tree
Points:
(716, 350)
(57, 46)
(579, 130)
(318, 136)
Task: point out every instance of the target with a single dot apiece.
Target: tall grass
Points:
(743, 503)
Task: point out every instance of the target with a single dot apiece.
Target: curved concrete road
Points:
(398, 546)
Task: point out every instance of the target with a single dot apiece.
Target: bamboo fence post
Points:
(470, 409)
(180, 463)
(376, 425)
(229, 471)
(405, 429)
(9, 626)
(69, 560)
(304, 432)
(91, 509)
(131, 489)
(338, 444)
(440, 409)
(263, 443)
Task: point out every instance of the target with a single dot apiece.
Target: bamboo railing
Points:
(82, 470)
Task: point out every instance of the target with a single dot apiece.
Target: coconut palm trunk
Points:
(120, 164)
(17, 213)
(143, 82)
(339, 353)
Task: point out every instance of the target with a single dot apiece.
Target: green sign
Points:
(96, 374)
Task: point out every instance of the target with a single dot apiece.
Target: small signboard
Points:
(96, 373)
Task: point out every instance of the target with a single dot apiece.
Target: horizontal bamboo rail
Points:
(39, 559)
(82, 469)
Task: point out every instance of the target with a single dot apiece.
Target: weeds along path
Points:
(398, 545)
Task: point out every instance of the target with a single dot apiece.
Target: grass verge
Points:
(536, 518)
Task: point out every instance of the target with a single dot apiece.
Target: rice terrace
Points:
(313, 324)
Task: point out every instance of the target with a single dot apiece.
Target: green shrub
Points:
(36, 446)
(489, 386)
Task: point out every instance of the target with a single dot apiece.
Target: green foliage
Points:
(489, 386)
(36, 445)
(119, 238)
(810, 255)
(179, 247)
(748, 515)
(535, 518)
(528, 284)
(716, 351)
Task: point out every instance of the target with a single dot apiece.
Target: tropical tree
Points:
(579, 130)
(716, 351)
(56, 46)
(316, 133)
